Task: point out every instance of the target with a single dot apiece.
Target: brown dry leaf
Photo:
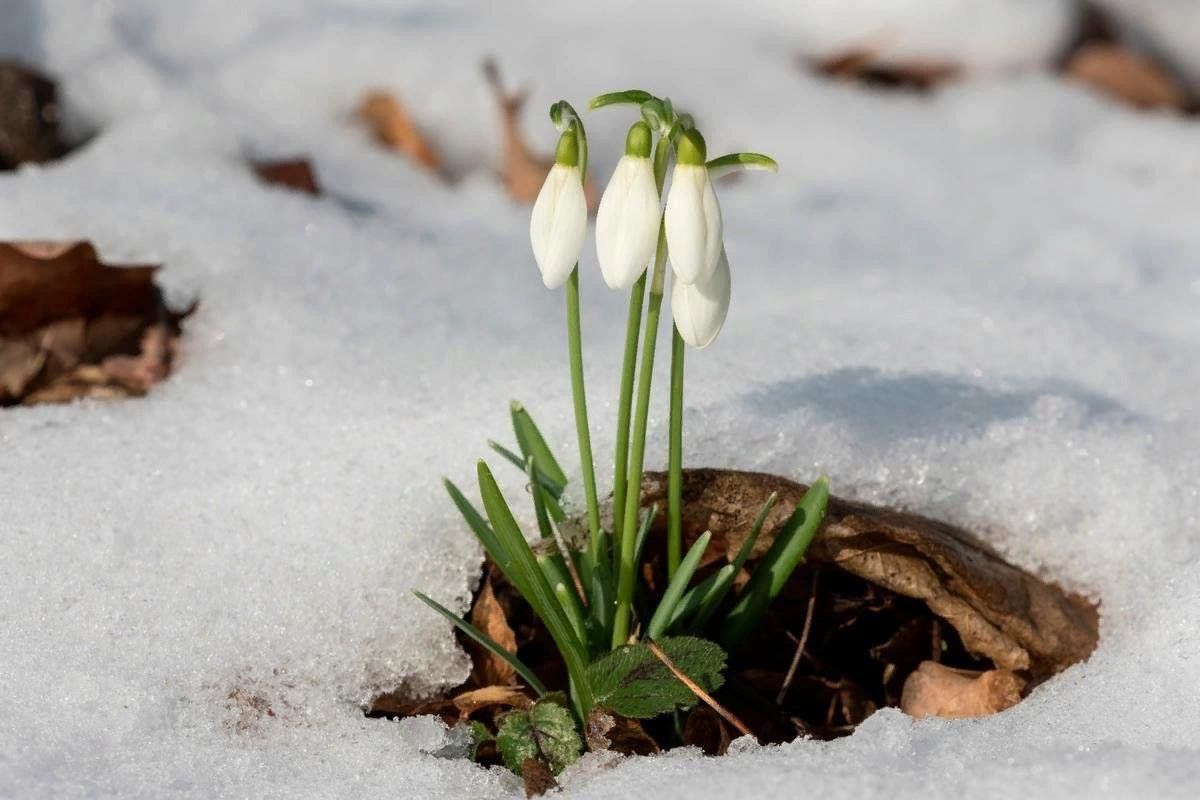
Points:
(940, 691)
(292, 173)
(1126, 76)
(394, 127)
(28, 117)
(473, 700)
(488, 616)
(72, 326)
(538, 777)
(705, 729)
(608, 731)
(523, 171)
(865, 63)
(1003, 613)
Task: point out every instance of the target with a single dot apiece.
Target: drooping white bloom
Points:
(693, 215)
(627, 222)
(699, 309)
(559, 221)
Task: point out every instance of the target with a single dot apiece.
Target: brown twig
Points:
(695, 687)
(808, 618)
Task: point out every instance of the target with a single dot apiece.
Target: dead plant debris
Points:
(866, 64)
(488, 616)
(393, 126)
(522, 170)
(890, 609)
(72, 326)
(1095, 57)
(290, 173)
(940, 691)
(1127, 77)
(29, 132)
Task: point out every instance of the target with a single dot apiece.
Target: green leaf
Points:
(539, 478)
(643, 533)
(633, 682)
(479, 526)
(710, 603)
(700, 595)
(546, 732)
(479, 735)
(776, 566)
(738, 161)
(539, 502)
(523, 571)
(486, 641)
(675, 589)
(532, 443)
(634, 96)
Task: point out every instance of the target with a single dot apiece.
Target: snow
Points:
(983, 304)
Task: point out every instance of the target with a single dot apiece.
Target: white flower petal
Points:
(558, 225)
(627, 222)
(693, 220)
(699, 309)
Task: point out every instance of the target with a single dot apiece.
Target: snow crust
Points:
(983, 304)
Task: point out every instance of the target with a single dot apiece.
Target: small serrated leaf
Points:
(479, 735)
(634, 683)
(545, 733)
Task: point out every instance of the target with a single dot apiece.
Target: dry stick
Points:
(696, 690)
(808, 618)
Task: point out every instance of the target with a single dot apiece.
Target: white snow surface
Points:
(982, 304)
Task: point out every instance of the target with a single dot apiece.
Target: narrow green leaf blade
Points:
(533, 584)
(776, 566)
(532, 443)
(643, 533)
(485, 641)
(634, 96)
(710, 603)
(479, 526)
(677, 586)
(538, 477)
(698, 596)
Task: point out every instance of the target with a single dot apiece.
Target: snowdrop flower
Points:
(559, 222)
(627, 221)
(699, 308)
(693, 216)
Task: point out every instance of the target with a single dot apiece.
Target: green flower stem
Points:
(625, 403)
(575, 348)
(627, 570)
(662, 152)
(675, 458)
(627, 563)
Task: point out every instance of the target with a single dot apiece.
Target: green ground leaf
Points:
(546, 732)
(532, 443)
(634, 683)
(479, 735)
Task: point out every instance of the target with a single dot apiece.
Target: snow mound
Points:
(980, 305)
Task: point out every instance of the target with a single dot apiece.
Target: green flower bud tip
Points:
(691, 149)
(567, 152)
(637, 143)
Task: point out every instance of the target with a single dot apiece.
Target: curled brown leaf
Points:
(940, 691)
(393, 126)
